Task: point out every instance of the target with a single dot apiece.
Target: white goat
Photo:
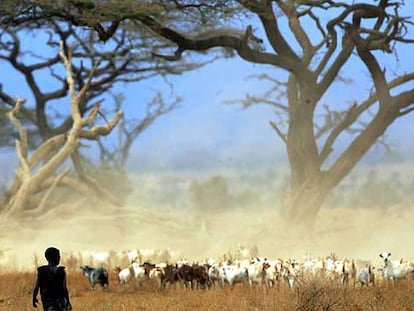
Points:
(138, 272)
(290, 271)
(344, 271)
(256, 270)
(157, 273)
(272, 271)
(395, 269)
(216, 275)
(124, 275)
(366, 276)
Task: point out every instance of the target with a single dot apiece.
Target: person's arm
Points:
(35, 291)
(65, 291)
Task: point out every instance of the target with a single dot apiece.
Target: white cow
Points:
(235, 274)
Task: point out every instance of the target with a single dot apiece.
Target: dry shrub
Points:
(320, 294)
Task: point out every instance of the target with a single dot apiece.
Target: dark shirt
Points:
(52, 290)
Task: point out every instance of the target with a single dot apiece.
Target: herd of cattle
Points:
(256, 270)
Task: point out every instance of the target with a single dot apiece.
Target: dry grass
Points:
(15, 295)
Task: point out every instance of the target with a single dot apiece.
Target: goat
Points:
(395, 269)
(289, 271)
(366, 276)
(169, 274)
(196, 274)
(96, 276)
(124, 275)
(257, 271)
(235, 274)
(271, 270)
(345, 270)
(139, 272)
(157, 274)
(215, 274)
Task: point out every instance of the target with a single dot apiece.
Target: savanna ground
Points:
(15, 289)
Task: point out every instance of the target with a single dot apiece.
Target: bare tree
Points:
(319, 39)
(36, 172)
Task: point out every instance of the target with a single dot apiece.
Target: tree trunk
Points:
(301, 205)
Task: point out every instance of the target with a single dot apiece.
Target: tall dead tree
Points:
(125, 58)
(36, 173)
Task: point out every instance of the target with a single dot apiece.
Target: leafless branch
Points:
(278, 131)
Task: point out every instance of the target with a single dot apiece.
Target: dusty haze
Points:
(353, 233)
(159, 215)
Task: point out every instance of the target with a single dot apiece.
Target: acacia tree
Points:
(362, 29)
(312, 60)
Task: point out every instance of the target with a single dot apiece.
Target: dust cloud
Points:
(360, 233)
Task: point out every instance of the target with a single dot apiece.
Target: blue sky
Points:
(204, 130)
(227, 132)
(204, 123)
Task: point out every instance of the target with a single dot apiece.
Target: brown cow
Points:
(170, 275)
(193, 275)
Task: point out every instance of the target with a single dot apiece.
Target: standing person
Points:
(51, 280)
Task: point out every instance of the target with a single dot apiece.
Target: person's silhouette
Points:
(51, 280)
